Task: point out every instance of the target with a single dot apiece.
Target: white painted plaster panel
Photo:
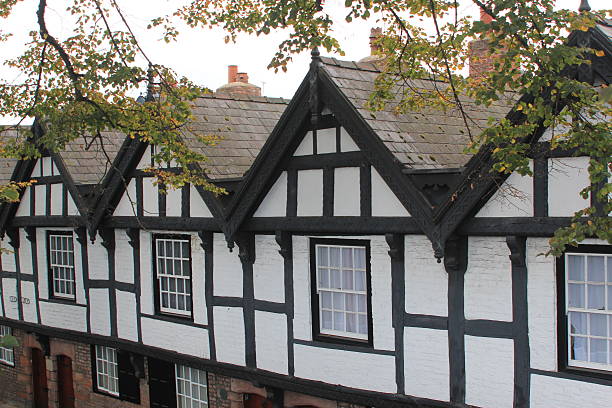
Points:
(305, 147)
(489, 372)
(384, 202)
(40, 204)
(43, 271)
(8, 256)
(488, 279)
(302, 319)
(150, 199)
(326, 140)
(346, 142)
(24, 204)
(25, 254)
(145, 160)
(72, 207)
(124, 257)
(200, 314)
(347, 191)
(268, 270)
(227, 273)
(37, 171)
(229, 334)
(426, 369)
(78, 272)
(566, 177)
(146, 274)
(126, 316)
(275, 202)
(549, 392)
(173, 202)
(380, 265)
(46, 166)
(351, 369)
(9, 290)
(426, 279)
(55, 169)
(271, 350)
(127, 204)
(177, 337)
(310, 193)
(513, 199)
(98, 259)
(99, 311)
(197, 206)
(29, 304)
(56, 199)
(542, 301)
(63, 316)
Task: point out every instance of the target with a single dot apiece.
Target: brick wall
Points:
(14, 388)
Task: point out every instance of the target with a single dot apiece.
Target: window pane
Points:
(323, 278)
(363, 324)
(361, 303)
(322, 256)
(336, 279)
(186, 250)
(598, 351)
(347, 279)
(334, 256)
(347, 257)
(596, 269)
(610, 271)
(339, 321)
(351, 322)
(599, 326)
(579, 348)
(160, 248)
(339, 301)
(186, 268)
(351, 302)
(609, 297)
(360, 258)
(575, 265)
(596, 295)
(576, 295)
(326, 300)
(327, 320)
(360, 280)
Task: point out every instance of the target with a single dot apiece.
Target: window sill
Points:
(170, 317)
(350, 341)
(7, 364)
(64, 301)
(587, 372)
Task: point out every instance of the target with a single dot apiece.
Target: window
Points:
(191, 387)
(173, 269)
(107, 373)
(587, 319)
(341, 296)
(7, 354)
(61, 265)
(116, 372)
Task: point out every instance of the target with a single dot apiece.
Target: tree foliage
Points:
(83, 84)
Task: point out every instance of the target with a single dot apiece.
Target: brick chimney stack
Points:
(482, 60)
(237, 85)
(375, 34)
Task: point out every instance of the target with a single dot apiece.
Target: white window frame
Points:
(353, 335)
(186, 380)
(7, 354)
(57, 265)
(607, 311)
(107, 369)
(162, 275)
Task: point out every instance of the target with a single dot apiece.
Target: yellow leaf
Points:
(519, 108)
(599, 53)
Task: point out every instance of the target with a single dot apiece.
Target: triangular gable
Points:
(125, 195)
(290, 138)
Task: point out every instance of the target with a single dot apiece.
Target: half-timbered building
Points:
(317, 280)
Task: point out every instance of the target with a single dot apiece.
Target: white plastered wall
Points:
(310, 193)
(99, 311)
(229, 334)
(488, 279)
(9, 296)
(275, 202)
(549, 392)
(126, 316)
(566, 177)
(176, 337)
(513, 199)
(29, 303)
(146, 274)
(127, 204)
(426, 369)
(268, 270)
(227, 271)
(70, 317)
(383, 333)
(124, 257)
(347, 191)
(271, 350)
(56, 199)
(197, 206)
(302, 319)
(384, 201)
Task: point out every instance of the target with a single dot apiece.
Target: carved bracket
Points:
(517, 246)
(13, 235)
(246, 247)
(396, 246)
(134, 237)
(108, 238)
(456, 254)
(30, 233)
(284, 241)
(206, 238)
(81, 234)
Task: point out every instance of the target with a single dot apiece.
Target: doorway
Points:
(39, 379)
(65, 387)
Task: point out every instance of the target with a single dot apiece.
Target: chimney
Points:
(375, 34)
(238, 85)
(481, 59)
(232, 72)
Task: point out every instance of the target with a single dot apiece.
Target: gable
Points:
(514, 198)
(48, 195)
(327, 175)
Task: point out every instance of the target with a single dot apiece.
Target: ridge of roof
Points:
(249, 98)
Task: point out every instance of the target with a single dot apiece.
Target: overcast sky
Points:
(202, 55)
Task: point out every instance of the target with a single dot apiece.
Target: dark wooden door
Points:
(162, 384)
(256, 401)
(65, 387)
(39, 379)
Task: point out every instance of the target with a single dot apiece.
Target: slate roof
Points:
(427, 139)
(243, 125)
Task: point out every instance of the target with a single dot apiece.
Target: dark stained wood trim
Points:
(524, 226)
(336, 225)
(165, 223)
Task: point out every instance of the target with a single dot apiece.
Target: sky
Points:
(202, 55)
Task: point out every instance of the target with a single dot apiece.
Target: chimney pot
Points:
(242, 77)
(232, 72)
